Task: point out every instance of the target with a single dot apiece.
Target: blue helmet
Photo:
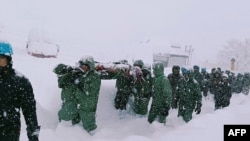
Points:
(203, 70)
(5, 49)
(183, 70)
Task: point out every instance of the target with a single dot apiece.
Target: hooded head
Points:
(138, 63)
(224, 78)
(6, 52)
(158, 68)
(88, 61)
(176, 70)
(196, 68)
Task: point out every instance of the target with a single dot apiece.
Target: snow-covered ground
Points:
(93, 28)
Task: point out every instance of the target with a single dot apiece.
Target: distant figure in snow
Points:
(190, 97)
(223, 95)
(141, 87)
(162, 95)
(174, 79)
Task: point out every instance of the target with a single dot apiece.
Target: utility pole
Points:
(190, 53)
(232, 64)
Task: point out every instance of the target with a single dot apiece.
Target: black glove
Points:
(80, 86)
(75, 74)
(62, 69)
(198, 108)
(33, 133)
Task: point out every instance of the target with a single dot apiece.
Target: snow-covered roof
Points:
(177, 51)
(161, 46)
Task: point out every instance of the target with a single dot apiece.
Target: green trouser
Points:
(153, 116)
(186, 113)
(155, 113)
(88, 120)
(68, 111)
(141, 105)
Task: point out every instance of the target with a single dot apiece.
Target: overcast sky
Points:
(121, 25)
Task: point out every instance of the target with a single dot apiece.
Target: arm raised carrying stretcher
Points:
(111, 70)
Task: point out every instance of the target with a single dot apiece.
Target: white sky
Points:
(119, 26)
(112, 30)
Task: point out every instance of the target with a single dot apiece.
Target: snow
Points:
(77, 41)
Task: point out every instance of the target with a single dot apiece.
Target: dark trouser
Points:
(141, 105)
(204, 89)
(153, 116)
(121, 100)
(9, 135)
(220, 103)
(174, 104)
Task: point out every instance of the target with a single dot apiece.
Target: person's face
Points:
(224, 79)
(85, 68)
(176, 71)
(186, 76)
(3, 61)
(196, 70)
(216, 74)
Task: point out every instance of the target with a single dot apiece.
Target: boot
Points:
(76, 120)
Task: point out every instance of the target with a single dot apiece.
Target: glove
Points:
(60, 69)
(33, 134)
(75, 74)
(198, 108)
(80, 85)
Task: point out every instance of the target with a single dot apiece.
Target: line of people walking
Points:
(182, 89)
